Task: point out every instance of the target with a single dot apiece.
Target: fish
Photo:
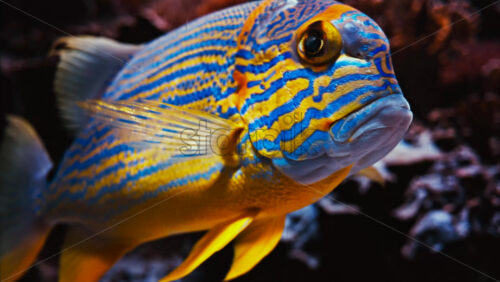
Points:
(224, 125)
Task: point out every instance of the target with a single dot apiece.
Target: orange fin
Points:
(215, 239)
(87, 258)
(254, 243)
(16, 262)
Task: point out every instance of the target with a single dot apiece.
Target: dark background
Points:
(451, 78)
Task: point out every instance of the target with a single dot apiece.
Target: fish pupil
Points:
(313, 44)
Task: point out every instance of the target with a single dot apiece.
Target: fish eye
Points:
(319, 43)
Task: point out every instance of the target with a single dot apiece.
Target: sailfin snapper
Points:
(224, 125)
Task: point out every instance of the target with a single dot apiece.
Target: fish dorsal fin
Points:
(176, 131)
(87, 65)
(254, 243)
(214, 240)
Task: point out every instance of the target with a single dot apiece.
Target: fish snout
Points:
(390, 113)
(371, 132)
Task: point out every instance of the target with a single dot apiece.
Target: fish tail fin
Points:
(87, 256)
(24, 165)
(86, 66)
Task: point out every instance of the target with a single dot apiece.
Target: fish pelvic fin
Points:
(214, 240)
(254, 243)
(178, 132)
(24, 165)
(373, 174)
(86, 257)
(86, 67)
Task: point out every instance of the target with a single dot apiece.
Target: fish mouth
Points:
(391, 112)
(359, 139)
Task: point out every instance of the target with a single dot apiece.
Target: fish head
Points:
(317, 88)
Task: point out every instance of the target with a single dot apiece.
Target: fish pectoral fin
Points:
(214, 240)
(373, 174)
(176, 131)
(86, 257)
(254, 243)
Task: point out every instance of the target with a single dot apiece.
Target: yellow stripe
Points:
(185, 64)
(151, 183)
(140, 76)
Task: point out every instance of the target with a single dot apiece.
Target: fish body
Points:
(103, 178)
(225, 124)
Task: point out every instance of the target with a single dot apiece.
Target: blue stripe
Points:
(245, 54)
(378, 63)
(388, 62)
(275, 42)
(225, 94)
(283, 26)
(374, 36)
(161, 189)
(381, 48)
(91, 135)
(178, 73)
(326, 90)
(185, 99)
(281, 17)
(313, 113)
(269, 120)
(370, 22)
(256, 98)
(261, 68)
(334, 106)
(322, 136)
(303, 73)
(129, 178)
(270, 146)
(227, 114)
(157, 64)
(96, 159)
(251, 84)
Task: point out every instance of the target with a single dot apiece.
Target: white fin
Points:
(24, 165)
(181, 132)
(87, 65)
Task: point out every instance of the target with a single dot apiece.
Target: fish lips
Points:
(359, 139)
(365, 136)
(390, 113)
